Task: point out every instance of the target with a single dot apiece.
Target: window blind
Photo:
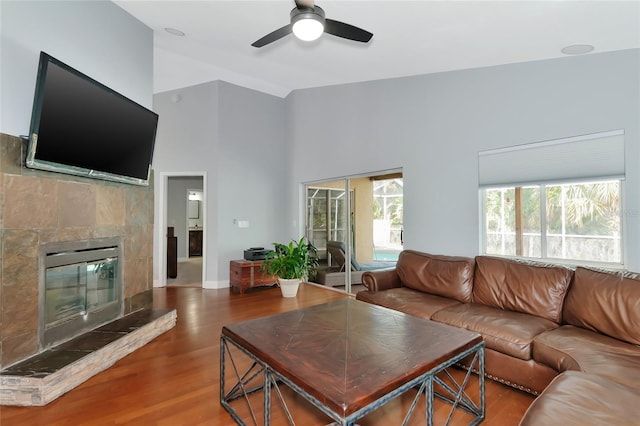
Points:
(598, 155)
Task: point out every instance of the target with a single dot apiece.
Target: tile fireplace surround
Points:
(39, 207)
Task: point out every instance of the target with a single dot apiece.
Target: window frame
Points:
(543, 223)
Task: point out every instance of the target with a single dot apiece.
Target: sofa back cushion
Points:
(527, 287)
(606, 302)
(446, 276)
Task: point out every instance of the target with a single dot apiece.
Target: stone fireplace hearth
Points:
(42, 208)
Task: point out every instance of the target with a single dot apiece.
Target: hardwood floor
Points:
(174, 380)
(189, 274)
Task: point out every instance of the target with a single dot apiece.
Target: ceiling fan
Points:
(308, 23)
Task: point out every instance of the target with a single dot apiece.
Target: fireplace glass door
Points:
(81, 288)
(78, 289)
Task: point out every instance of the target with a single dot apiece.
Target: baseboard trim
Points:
(216, 285)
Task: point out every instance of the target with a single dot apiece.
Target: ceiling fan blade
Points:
(308, 4)
(273, 36)
(340, 29)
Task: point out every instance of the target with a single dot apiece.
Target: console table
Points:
(244, 274)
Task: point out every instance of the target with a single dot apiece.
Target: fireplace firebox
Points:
(80, 287)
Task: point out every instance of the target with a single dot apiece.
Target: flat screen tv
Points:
(81, 127)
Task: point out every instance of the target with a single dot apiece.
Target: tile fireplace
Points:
(92, 238)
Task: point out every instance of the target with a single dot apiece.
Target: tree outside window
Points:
(388, 205)
(581, 221)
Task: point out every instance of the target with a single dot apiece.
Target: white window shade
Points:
(599, 155)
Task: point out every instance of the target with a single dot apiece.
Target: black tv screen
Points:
(80, 126)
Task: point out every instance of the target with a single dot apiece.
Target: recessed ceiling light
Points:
(577, 49)
(174, 32)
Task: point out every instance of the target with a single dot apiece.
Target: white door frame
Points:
(161, 232)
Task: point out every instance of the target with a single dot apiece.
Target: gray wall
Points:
(187, 144)
(434, 125)
(236, 137)
(177, 209)
(263, 148)
(251, 172)
(97, 38)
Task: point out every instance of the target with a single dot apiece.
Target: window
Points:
(555, 199)
(568, 221)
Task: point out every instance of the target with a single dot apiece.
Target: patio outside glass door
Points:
(367, 226)
(328, 224)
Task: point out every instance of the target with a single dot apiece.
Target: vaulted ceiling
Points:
(410, 38)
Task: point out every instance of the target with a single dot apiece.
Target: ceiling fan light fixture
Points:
(307, 24)
(308, 29)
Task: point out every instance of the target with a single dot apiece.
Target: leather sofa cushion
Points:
(406, 300)
(574, 348)
(446, 276)
(511, 333)
(580, 399)
(530, 288)
(606, 302)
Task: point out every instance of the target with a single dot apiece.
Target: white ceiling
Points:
(410, 38)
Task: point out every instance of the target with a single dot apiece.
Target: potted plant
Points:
(291, 263)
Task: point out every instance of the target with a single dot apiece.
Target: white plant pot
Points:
(289, 287)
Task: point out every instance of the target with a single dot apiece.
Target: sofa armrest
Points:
(383, 279)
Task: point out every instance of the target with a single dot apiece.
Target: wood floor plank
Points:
(174, 380)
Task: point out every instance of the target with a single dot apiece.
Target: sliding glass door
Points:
(328, 215)
(356, 233)
(388, 208)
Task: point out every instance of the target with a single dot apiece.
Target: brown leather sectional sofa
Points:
(570, 336)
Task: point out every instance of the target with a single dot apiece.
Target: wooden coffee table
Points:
(348, 358)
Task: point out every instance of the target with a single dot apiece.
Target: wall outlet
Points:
(243, 224)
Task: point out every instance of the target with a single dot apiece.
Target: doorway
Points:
(183, 218)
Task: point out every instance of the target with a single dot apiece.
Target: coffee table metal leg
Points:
(482, 384)
(239, 390)
(274, 383)
(456, 394)
(429, 397)
(267, 398)
(414, 403)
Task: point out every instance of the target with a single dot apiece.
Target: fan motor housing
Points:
(316, 13)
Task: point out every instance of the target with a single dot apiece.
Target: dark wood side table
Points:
(244, 274)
